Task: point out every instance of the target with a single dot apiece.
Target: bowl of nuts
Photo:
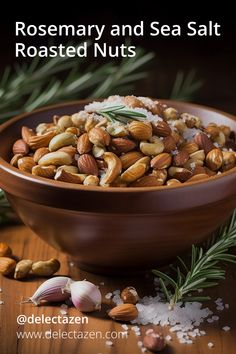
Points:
(122, 184)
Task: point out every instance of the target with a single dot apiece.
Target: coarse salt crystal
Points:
(135, 328)
(1, 302)
(210, 320)
(64, 306)
(226, 328)
(210, 345)
(143, 350)
(109, 343)
(227, 306)
(149, 331)
(0, 290)
(63, 312)
(189, 341)
(125, 327)
(220, 308)
(215, 318)
(218, 300)
(108, 296)
(203, 333)
(102, 283)
(116, 292)
(140, 343)
(71, 264)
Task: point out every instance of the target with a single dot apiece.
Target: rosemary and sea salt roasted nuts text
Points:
(126, 142)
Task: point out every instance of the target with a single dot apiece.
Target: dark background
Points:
(213, 58)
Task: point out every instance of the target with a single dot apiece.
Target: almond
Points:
(161, 175)
(87, 165)
(147, 181)
(40, 153)
(133, 102)
(99, 137)
(7, 265)
(26, 164)
(214, 159)
(161, 161)
(65, 176)
(198, 177)
(124, 312)
(39, 141)
(130, 158)
(83, 144)
(181, 158)
(44, 171)
(26, 133)
(136, 171)
(20, 147)
(5, 250)
(121, 145)
(199, 170)
(202, 140)
(173, 182)
(140, 130)
(161, 128)
(180, 173)
(14, 160)
(169, 143)
(209, 172)
(190, 147)
(71, 150)
(198, 155)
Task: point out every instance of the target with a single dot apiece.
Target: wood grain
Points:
(26, 245)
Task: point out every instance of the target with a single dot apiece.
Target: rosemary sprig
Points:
(185, 86)
(118, 113)
(204, 270)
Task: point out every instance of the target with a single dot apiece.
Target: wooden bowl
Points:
(113, 230)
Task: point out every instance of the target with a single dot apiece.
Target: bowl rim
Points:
(72, 186)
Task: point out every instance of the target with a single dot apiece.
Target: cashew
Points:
(68, 168)
(55, 158)
(91, 180)
(152, 149)
(64, 122)
(117, 130)
(23, 268)
(46, 268)
(98, 151)
(136, 171)
(198, 155)
(113, 170)
(61, 140)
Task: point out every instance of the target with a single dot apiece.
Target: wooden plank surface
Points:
(26, 245)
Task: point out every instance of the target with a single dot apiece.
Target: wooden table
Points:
(26, 245)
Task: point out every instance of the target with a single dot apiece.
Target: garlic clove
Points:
(51, 290)
(85, 296)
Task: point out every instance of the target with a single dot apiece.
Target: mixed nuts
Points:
(126, 142)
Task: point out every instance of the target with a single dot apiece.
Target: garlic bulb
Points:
(85, 296)
(51, 290)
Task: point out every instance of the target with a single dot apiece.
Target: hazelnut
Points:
(129, 295)
(154, 342)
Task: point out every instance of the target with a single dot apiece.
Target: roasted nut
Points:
(179, 125)
(14, 160)
(7, 265)
(169, 143)
(5, 250)
(202, 140)
(122, 145)
(180, 173)
(209, 172)
(148, 181)
(170, 113)
(226, 130)
(212, 130)
(161, 161)
(198, 170)
(152, 149)
(40, 153)
(64, 176)
(98, 151)
(61, 140)
(23, 268)
(38, 141)
(99, 137)
(229, 160)
(161, 128)
(191, 121)
(198, 155)
(87, 165)
(79, 119)
(124, 312)
(73, 130)
(20, 147)
(190, 147)
(173, 182)
(220, 139)
(154, 342)
(83, 144)
(192, 163)
(68, 168)
(43, 128)
(140, 130)
(214, 159)
(198, 177)
(46, 268)
(64, 122)
(44, 171)
(71, 150)
(129, 295)
(26, 164)
(181, 158)
(161, 175)
(130, 158)
(117, 130)
(133, 102)
(136, 171)
(55, 158)
(26, 133)
(91, 181)
(114, 168)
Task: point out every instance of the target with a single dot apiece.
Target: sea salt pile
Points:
(184, 319)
